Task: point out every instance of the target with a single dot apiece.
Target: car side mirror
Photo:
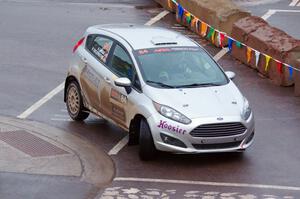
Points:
(124, 82)
(231, 75)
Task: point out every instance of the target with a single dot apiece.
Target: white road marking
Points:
(121, 144)
(293, 3)
(42, 101)
(220, 54)
(157, 18)
(291, 11)
(61, 119)
(268, 14)
(61, 116)
(272, 12)
(206, 183)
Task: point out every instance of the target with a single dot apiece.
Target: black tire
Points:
(74, 103)
(147, 148)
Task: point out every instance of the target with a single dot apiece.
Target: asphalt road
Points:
(284, 18)
(36, 39)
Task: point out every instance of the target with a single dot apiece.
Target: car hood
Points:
(217, 101)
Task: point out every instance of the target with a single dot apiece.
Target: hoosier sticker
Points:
(175, 129)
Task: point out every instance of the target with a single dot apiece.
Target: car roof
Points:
(142, 37)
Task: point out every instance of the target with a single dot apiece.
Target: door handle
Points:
(84, 60)
(107, 80)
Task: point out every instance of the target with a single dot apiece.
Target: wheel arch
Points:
(134, 129)
(69, 79)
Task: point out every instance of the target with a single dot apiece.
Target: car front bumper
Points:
(162, 127)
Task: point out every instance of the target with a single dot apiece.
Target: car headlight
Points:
(171, 113)
(246, 110)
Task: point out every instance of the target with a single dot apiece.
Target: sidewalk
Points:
(39, 161)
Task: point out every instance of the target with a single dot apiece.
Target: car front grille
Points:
(216, 146)
(219, 130)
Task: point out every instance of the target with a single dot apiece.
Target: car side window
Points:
(100, 48)
(122, 65)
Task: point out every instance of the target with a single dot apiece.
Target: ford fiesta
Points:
(161, 87)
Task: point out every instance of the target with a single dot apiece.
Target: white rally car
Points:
(161, 87)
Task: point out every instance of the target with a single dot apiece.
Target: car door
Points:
(115, 100)
(97, 51)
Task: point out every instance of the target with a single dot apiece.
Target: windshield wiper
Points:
(160, 84)
(198, 85)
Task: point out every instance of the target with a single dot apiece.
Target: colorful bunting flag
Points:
(257, 55)
(268, 58)
(210, 33)
(197, 25)
(249, 53)
(180, 11)
(213, 36)
(238, 44)
(230, 42)
(188, 17)
(221, 39)
(291, 72)
(193, 24)
(203, 29)
(170, 3)
(279, 67)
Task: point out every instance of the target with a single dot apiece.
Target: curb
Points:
(97, 168)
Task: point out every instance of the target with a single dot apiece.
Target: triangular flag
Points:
(197, 25)
(170, 3)
(180, 11)
(221, 39)
(210, 33)
(279, 67)
(230, 42)
(188, 17)
(213, 37)
(193, 24)
(291, 72)
(238, 44)
(267, 62)
(203, 29)
(249, 53)
(257, 55)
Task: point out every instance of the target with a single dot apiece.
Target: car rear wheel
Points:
(147, 149)
(74, 103)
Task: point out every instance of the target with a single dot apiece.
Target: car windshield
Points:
(183, 67)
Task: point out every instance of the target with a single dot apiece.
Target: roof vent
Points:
(161, 41)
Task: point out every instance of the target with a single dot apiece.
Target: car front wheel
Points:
(74, 103)
(147, 148)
